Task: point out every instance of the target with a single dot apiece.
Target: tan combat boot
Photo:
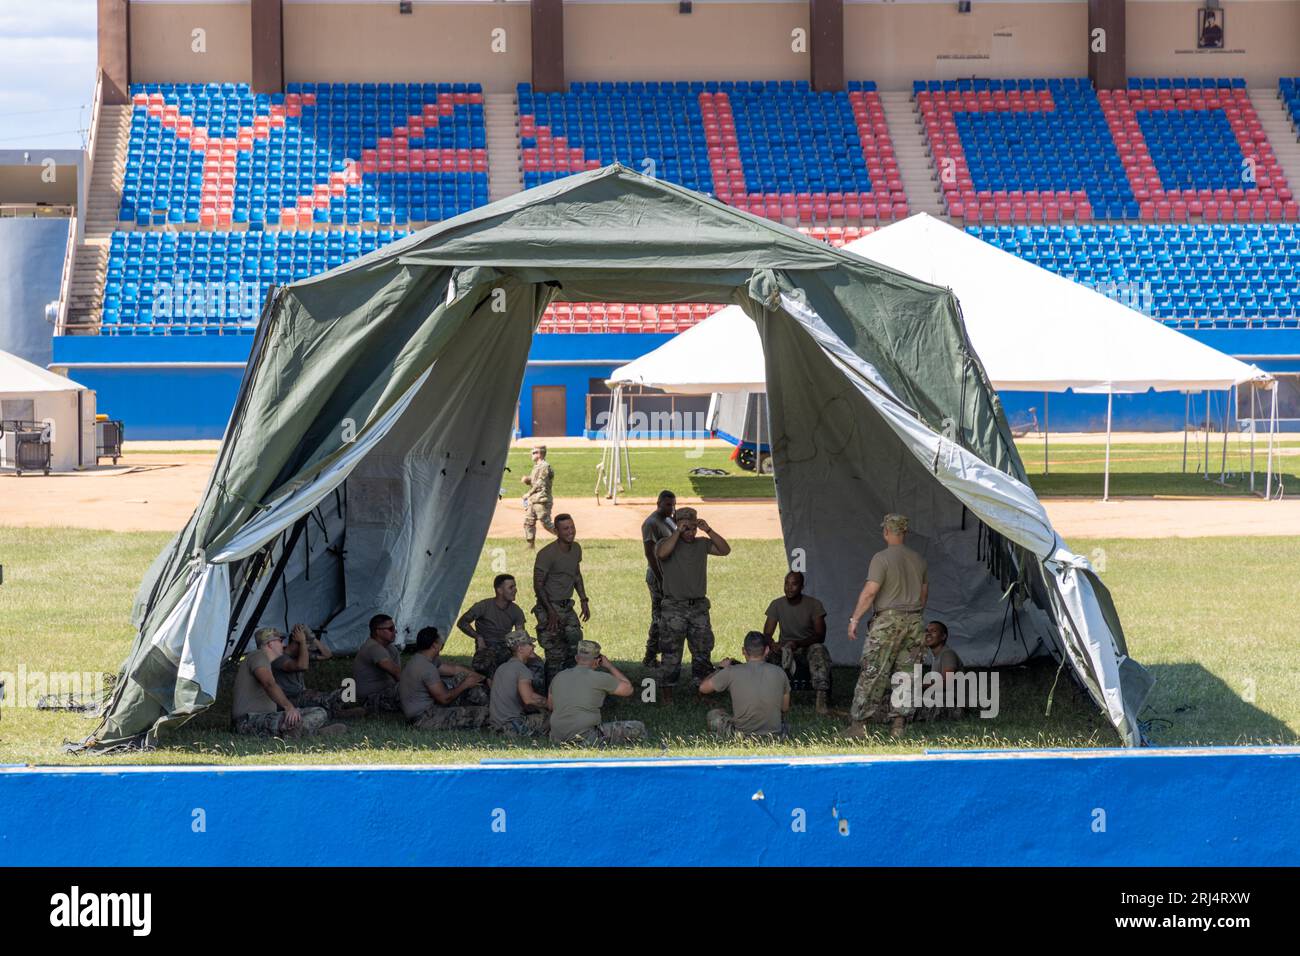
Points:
(822, 708)
(856, 729)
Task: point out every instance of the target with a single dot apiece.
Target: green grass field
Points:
(1136, 469)
(1208, 616)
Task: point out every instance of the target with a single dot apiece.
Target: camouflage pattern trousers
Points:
(332, 700)
(272, 724)
(656, 614)
(610, 732)
(894, 646)
(535, 511)
(815, 657)
(723, 726)
(529, 725)
(389, 701)
(452, 717)
(491, 656)
(685, 622)
(560, 645)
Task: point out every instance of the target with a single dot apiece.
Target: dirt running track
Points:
(157, 492)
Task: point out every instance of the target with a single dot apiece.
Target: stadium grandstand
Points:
(238, 146)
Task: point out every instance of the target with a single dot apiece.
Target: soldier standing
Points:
(538, 501)
(802, 619)
(898, 588)
(683, 558)
(654, 529)
(557, 573)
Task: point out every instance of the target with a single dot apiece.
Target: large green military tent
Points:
(363, 458)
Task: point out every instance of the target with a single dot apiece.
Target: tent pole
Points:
(1254, 417)
(1206, 474)
(1272, 428)
(1223, 459)
(1187, 413)
(1047, 467)
(1110, 399)
(277, 573)
(626, 468)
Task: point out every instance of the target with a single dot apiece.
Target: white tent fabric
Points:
(1036, 331)
(720, 354)
(54, 400)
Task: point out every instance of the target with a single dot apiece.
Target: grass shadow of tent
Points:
(1192, 705)
(1151, 484)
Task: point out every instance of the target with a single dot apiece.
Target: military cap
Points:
(516, 638)
(895, 523)
(265, 635)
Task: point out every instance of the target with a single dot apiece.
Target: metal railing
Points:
(65, 283)
(92, 141)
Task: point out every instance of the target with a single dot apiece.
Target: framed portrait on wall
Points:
(1209, 29)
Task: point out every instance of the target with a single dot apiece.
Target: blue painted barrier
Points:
(1220, 807)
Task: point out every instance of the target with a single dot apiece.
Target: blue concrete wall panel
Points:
(31, 268)
(1229, 808)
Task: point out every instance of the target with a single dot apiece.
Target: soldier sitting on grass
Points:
(760, 694)
(260, 706)
(576, 697)
(516, 709)
(290, 670)
(378, 667)
(439, 695)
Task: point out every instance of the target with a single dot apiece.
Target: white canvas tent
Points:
(30, 393)
(1037, 331)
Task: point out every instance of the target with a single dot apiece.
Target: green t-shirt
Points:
(493, 623)
(686, 570)
(578, 694)
(250, 696)
(900, 572)
(413, 689)
(561, 568)
(504, 703)
(757, 691)
(947, 660)
(370, 677)
(796, 620)
(291, 682)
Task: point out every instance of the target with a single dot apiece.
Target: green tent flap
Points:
(361, 465)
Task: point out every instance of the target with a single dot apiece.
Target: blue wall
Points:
(1223, 808)
(196, 401)
(31, 267)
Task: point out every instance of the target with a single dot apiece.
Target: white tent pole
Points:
(1206, 474)
(1187, 413)
(1110, 399)
(1272, 428)
(627, 461)
(1223, 459)
(1047, 468)
(1254, 417)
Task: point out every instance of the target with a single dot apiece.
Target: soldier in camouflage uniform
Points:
(437, 694)
(576, 697)
(657, 526)
(683, 559)
(557, 573)
(489, 621)
(538, 501)
(260, 707)
(377, 668)
(291, 667)
(940, 659)
(513, 693)
(898, 588)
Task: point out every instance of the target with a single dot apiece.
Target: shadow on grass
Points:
(1021, 722)
(1191, 705)
(733, 486)
(1146, 484)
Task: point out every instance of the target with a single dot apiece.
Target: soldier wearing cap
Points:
(897, 588)
(683, 559)
(577, 695)
(260, 707)
(516, 709)
(657, 526)
(538, 501)
(437, 694)
(290, 670)
(557, 574)
(760, 694)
